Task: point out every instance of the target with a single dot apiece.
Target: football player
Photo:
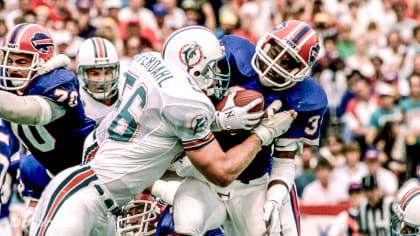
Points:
(146, 215)
(98, 69)
(9, 145)
(41, 107)
(407, 220)
(276, 67)
(162, 114)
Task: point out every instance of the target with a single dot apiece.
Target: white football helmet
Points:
(284, 56)
(196, 50)
(140, 216)
(30, 40)
(407, 220)
(98, 52)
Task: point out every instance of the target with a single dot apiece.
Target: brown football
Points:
(242, 98)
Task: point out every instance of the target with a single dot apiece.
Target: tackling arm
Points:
(28, 110)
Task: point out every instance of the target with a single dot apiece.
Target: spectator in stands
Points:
(108, 29)
(161, 12)
(62, 10)
(385, 120)
(305, 173)
(411, 110)
(24, 6)
(346, 222)
(345, 44)
(393, 54)
(175, 17)
(86, 29)
(353, 170)
(360, 60)
(245, 28)
(333, 79)
(387, 181)
(403, 24)
(136, 12)
(375, 212)
(260, 14)
(326, 189)
(375, 39)
(413, 49)
(112, 8)
(228, 21)
(359, 110)
(334, 150)
(97, 12)
(199, 12)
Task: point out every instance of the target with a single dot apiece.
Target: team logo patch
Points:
(280, 26)
(42, 43)
(190, 55)
(198, 123)
(313, 53)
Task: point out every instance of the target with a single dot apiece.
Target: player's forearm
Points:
(240, 156)
(26, 110)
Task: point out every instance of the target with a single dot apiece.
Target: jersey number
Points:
(313, 123)
(45, 141)
(126, 125)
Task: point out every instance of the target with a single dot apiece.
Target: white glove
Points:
(271, 217)
(55, 62)
(27, 217)
(234, 117)
(274, 125)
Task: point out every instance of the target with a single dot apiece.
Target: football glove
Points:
(234, 117)
(271, 216)
(274, 125)
(58, 61)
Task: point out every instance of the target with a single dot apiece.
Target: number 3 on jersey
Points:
(313, 123)
(126, 124)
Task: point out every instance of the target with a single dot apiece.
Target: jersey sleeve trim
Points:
(282, 144)
(196, 143)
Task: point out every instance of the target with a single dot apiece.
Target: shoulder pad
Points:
(307, 95)
(239, 51)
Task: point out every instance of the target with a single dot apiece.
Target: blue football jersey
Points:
(32, 177)
(59, 144)
(9, 145)
(306, 97)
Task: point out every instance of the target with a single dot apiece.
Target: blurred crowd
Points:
(369, 66)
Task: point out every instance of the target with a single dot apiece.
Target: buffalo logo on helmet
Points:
(190, 55)
(313, 53)
(42, 43)
(280, 26)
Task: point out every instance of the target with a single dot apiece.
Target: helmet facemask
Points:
(138, 218)
(100, 88)
(216, 79)
(277, 64)
(16, 77)
(399, 227)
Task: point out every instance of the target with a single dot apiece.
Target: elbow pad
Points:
(283, 169)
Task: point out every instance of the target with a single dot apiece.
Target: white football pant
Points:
(71, 205)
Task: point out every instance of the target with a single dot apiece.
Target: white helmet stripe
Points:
(301, 25)
(23, 30)
(306, 38)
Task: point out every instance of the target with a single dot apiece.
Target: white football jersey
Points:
(161, 113)
(97, 110)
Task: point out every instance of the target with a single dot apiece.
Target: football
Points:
(242, 98)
